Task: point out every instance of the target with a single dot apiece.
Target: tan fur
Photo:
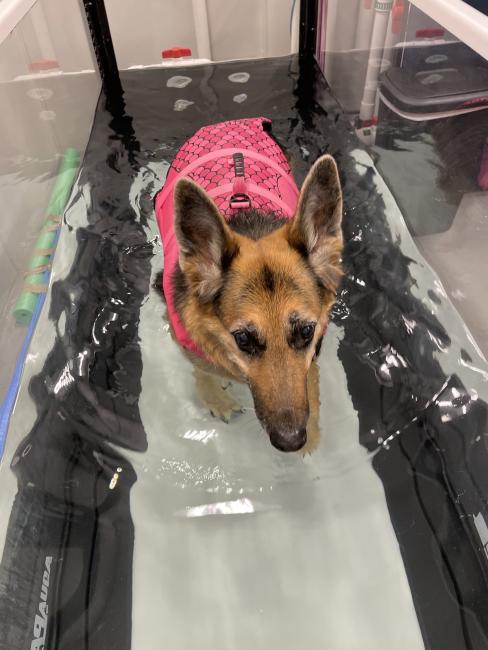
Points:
(214, 393)
(283, 380)
(313, 430)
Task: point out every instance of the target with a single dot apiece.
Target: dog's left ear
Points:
(207, 245)
(316, 229)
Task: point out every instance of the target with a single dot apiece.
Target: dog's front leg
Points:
(313, 390)
(214, 395)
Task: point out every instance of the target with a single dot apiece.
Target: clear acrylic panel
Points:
(49, 89)
(417, 95)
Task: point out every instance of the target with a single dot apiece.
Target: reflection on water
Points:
(120, 475)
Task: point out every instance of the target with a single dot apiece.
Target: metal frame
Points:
(308, 28)
(96, 16)
(98, 25)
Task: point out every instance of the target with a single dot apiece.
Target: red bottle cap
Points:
(43, 64)
(429, 32)
(175, 52)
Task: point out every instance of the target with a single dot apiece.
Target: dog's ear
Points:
(316, 229)
(206, 242)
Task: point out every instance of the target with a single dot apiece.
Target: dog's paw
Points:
(223, 406)
(215, 394)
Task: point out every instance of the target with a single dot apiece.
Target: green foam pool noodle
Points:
(64, 182)
(42, 254)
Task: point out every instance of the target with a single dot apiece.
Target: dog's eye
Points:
(242, 339)
(307, 331)
(248, 341)
(301, 334)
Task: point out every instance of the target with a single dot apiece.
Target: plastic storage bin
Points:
(439, 93)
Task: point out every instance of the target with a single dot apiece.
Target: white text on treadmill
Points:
(40, 622)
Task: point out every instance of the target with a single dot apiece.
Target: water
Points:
(152, 523)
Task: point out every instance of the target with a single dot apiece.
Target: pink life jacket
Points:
(239, 166)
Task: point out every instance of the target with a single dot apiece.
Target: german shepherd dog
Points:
(255, 292)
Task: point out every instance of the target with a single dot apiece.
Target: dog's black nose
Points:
(288, 440)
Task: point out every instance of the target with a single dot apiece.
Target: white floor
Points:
(460, 257)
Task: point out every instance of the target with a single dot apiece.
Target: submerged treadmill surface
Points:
(145, 523)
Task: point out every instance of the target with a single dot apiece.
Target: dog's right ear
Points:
(316, 229)
(207, 245)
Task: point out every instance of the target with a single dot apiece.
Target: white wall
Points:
(141, 29)
(341, 17)
(55, 29)
(238, 28)
(250, 28)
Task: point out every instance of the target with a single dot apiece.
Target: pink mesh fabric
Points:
(236, 134)
(267, 182)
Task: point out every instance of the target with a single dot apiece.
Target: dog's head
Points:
(256, 299)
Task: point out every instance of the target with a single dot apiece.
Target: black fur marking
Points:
(255, 224)
(158, 285)
(300, 248)
(268, 278)
(180, 289)
(321, 288)
(228, 257)
(318, 347)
